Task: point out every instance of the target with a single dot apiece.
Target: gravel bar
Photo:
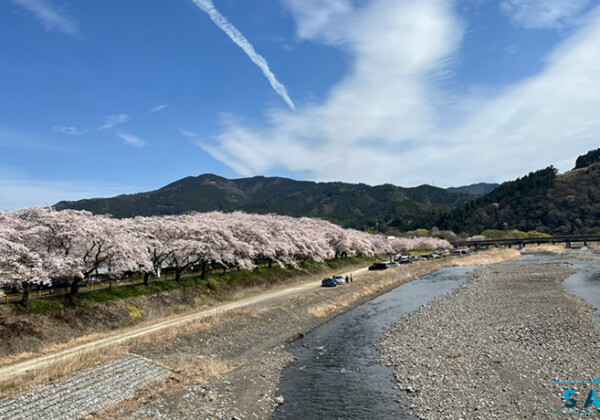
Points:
(493, 347)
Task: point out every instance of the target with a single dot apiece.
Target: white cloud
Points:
(187, 133)
(390, 119)
(240, 40)
(547, 119)
(68, 129)
(157, 108)
(322, 21)
(113, 120)
(132, 140)
(538, 14)
(53, 18)
(399, 48)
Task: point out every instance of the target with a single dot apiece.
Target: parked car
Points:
(378, 266)
(406, 259)
(328, 282)
(393, 264)
(435, 255)
(420, 258)
(339, 279)
(460, 251)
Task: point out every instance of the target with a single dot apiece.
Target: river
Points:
(585, 283)
(337, 374)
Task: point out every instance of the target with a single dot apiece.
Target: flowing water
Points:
(337, 374)
(586, 283)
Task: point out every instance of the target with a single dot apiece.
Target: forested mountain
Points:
(350, 205)
(474, 189)
(542, 201)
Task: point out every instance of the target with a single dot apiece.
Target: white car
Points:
(339, 279)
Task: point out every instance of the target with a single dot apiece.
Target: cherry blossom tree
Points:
(20, 266)
(39, 244)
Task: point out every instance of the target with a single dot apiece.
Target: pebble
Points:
(515, 330)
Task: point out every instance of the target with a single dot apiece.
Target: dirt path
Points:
(17, 369)
(230, 367)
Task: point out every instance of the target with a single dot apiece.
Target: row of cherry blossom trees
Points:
(38, 244)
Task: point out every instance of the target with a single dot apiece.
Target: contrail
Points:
(241, 41)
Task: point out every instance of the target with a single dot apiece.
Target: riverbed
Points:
(337, 373)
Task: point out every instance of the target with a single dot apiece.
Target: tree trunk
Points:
(25, 299)
(146, 279)
(177, 275)
(75, 286)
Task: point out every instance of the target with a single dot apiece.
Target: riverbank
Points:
(253, 347)
(55, 323)
(229, 366)
(493, 348)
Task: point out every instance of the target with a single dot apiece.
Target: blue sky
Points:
(102, 98)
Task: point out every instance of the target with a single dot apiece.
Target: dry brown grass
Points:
(202, 303)
(367, 285)
(202, 369)
(59, 370)
(492, 256)
(63, 368)
(377, 282)
(554, 248)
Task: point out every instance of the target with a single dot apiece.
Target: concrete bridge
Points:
(568, 240)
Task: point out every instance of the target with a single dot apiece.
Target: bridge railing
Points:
(532, 240)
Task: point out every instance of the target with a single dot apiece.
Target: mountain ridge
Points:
(351, 205)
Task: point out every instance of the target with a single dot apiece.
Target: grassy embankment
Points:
(57, 321)
(54, 324)
(218, 285)
(138, 307)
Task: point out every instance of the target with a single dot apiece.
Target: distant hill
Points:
(350, 205)
(474, 189)
(542, 201)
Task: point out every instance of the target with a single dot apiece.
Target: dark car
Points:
(378, 266)
(328, 282)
